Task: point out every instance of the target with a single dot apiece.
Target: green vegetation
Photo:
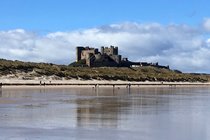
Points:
(80, 63)
(106, 73)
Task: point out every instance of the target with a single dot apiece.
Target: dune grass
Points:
(99, 73)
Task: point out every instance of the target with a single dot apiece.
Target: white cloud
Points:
(206, 24)
(208, 42)
(180, 46)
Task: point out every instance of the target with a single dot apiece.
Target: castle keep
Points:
(107, 57)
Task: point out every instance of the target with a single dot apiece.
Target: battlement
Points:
(109, 51)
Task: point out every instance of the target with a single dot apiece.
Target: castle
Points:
(107, 57)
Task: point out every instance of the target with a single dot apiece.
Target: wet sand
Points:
(39, 113)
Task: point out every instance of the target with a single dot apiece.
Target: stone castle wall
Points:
(107, 57)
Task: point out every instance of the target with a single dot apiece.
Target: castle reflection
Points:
(102, 110)
(108, 107)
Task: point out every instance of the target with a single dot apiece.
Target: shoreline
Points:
(92, 83)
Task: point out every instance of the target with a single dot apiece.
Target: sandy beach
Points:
(94, 83)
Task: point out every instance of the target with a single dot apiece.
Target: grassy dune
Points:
(8, 67)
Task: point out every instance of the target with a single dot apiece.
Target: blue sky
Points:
(171, 32)
(65, 15)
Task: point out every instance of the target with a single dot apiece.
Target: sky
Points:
(174, 33)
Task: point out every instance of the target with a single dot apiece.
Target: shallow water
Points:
(161, 113)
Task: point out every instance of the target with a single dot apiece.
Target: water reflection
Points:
(135, 113)
(101, 112)
(109, 106)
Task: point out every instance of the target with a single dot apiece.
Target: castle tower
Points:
(115, 51)
(102, 50)
(79, 50)
(111, 50)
